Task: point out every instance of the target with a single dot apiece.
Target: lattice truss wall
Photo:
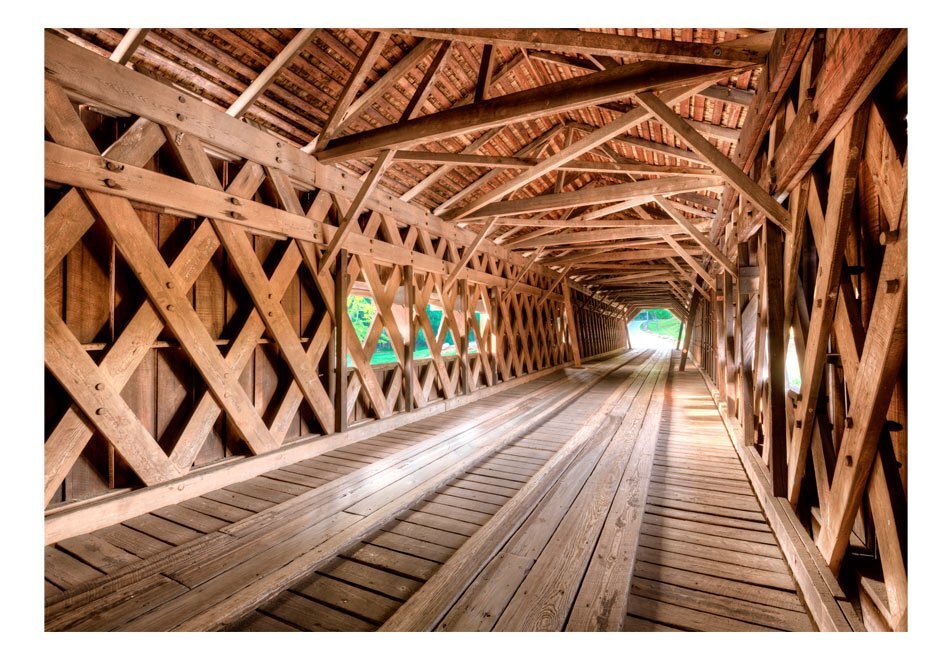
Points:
(824, 293)
(195, 312)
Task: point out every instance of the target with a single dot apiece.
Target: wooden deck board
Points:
(695, 554)
(239, 514)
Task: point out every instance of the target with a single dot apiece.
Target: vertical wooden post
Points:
(771, 269)
(494, 324)
(409, 284)
(340, 320)
(728, 388)
(690, 323)
(743, 373)
(461, 300)
(571, 327)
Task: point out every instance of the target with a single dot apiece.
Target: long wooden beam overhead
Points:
(519, 106)
(630, 193)
(467, 158)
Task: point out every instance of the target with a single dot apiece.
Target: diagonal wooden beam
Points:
(474, 146)
(485, 67)
(759, 197)
(842, 186)
(102, 404)
(469, 252)
(243, 103)
(569, 153)
(524, 271)
(131, 40)
(519, 106)
(688, 277)
(363, 66)
(697, 235)
(390, 78)
(695, 265)
(554, 286)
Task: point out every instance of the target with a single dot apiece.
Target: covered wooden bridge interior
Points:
(226, 449)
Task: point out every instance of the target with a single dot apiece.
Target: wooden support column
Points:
(340, 288)
(461, 299)
(690, 325)
(771, 271)
(571, 325)
(720, 323)
(728, 388)
(409, 376)
(743, 359)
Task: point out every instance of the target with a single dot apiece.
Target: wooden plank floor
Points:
(707, 558)
(154, 556)
(647, 522)
(363, 586)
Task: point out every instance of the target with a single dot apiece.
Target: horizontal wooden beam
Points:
(750, 50)
(602, 235)
(624, 192)
(576, 165)
(82, 170)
